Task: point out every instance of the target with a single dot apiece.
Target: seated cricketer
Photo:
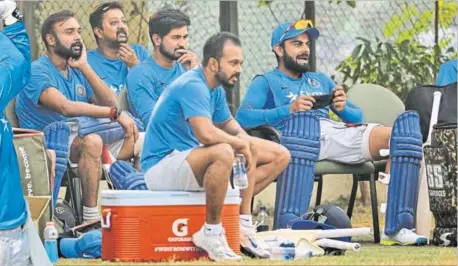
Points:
(287, 98)
(168, 30)
(192, 139)
(114, 57)
(64, 86)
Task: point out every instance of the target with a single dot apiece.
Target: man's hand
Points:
(243, 147)
(302, 103)
(254, 152)
(188, 58)
(81, 62)
(128, 55)
(130, 129)
(340, 98)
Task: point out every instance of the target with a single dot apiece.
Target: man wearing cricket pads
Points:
(64, 88)
(297, 102)
(191, 139)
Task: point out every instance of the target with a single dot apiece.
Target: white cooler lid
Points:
(160, 198)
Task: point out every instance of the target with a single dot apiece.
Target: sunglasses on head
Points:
(298, 25)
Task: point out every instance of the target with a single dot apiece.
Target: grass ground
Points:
(370, 254)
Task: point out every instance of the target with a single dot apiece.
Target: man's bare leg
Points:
(379, 139)
(131, 150)
(87, 152)
(272, 159)
(212, 166)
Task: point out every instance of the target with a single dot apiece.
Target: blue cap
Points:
(278, 32)
(88, 245)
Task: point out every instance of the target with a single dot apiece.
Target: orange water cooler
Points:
(157, 226)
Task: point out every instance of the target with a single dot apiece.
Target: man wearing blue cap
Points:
(297, 102)
(447, 73)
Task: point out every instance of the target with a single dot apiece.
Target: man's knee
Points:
(223, 153)
(282, 156)
(92, 144)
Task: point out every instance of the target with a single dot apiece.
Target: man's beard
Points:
(67, 53)
(292, 65)
(121, 36)
(170, 55)
(224, 80)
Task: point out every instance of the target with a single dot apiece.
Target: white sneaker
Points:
(405, 237)
(249, 244)
(6, 8)
(216, 246)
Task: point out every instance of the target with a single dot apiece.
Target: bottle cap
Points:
(50, 224)
(262, 208)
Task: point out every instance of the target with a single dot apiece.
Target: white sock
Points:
(213, 229)
(90, 213)
(246, 220)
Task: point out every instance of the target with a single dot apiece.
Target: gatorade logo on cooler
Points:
(180, 227)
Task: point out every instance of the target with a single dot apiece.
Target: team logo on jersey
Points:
(80, 90)
(314, 83)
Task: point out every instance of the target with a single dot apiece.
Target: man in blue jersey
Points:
(447, 73)
(15, 73)
(191, 140)
(273, 97)
(114, 57)
(64, 85)
(168, 30)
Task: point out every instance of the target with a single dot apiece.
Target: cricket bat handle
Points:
(434, 113)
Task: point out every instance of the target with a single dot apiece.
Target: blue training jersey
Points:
(15, 69)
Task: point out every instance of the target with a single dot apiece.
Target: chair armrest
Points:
(265, 132)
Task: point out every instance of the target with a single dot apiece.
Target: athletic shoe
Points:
(405, 237)
(249, 245)
(216, 246)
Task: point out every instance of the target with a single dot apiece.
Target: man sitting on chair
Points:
(63, 85)
(290, 96)
(114, 57)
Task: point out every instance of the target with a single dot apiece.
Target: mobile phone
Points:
(322, 101)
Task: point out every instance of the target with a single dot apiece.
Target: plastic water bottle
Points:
(262, 220)
(50, 236)
(240, 179)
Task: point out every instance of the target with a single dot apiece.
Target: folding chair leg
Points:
(319, 190)
(69, 196)
(77, 199)
(375, 221)
(354, 190)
